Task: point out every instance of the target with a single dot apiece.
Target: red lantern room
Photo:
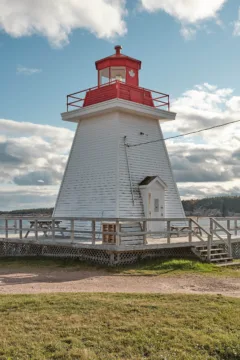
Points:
(118, 78)
(118, 67)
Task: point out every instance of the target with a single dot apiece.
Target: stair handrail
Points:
(228, 233)
(209, 236)
(200, 227)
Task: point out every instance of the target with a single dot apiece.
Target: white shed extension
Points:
(153, 190)
(107, 177)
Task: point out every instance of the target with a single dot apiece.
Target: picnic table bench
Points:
(45, 226)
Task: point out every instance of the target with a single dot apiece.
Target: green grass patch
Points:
(119, 326)
(178, 267)
(175, 266)
(145, 268)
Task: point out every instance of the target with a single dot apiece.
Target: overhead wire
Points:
(186, 134)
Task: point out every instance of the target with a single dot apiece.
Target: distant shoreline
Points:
(222, 206)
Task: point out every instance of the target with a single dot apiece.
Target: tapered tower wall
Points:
(102, 173)
(89, 184)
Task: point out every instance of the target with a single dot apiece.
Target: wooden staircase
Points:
(217, 254)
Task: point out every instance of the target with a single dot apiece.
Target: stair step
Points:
(219, 254)
(226, 259)
(230, 264)
(212, 250)
(204, 247)
(216, 256)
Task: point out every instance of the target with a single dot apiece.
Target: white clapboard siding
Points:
(96, 181)
(89, 184)
(146, 160)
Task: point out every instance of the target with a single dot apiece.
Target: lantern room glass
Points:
(104, 76)
(118, 73)
(111, 74)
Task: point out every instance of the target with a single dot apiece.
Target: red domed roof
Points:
(118, 59)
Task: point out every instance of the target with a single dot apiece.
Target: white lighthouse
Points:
(116, 168)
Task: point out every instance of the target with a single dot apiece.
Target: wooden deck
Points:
(49, 238)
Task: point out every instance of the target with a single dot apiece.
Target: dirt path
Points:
(34, 281)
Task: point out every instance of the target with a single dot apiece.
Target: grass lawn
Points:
(119, 326)
(145, 268)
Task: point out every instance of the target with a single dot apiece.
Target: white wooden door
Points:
(156, 206)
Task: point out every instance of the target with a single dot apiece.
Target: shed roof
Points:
(149, 179)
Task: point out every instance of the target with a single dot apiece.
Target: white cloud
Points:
(236, 30)
(14, 128)
(188, 33)
(57, 19)
(27, 71)
(201, 190)
(234, 103)
(187, 12)
(26, 197)
(190, 11)
(32, 154)
(32, 161)
(211, 157)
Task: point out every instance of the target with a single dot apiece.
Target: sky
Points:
(189, 49)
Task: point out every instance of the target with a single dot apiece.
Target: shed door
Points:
(156, 208)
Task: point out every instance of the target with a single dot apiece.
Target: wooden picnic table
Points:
(45, 226)
(182, 228)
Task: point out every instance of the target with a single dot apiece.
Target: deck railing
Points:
(90, 230)
(159, 99)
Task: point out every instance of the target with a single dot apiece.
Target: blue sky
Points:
(181, 46)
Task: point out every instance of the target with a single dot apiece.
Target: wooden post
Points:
(20, 229)
(72, 230)
(211, 226)
(190, 225)
(228, 225)
(6, 228)
(15, 226)
(210, 240)
(144, 230)
(36, 229)
(53, 229)
(229, 245)
(111, 258)
(168, 231)
(117, 233)
(235, 227)
(93, 231)
(209, 247)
